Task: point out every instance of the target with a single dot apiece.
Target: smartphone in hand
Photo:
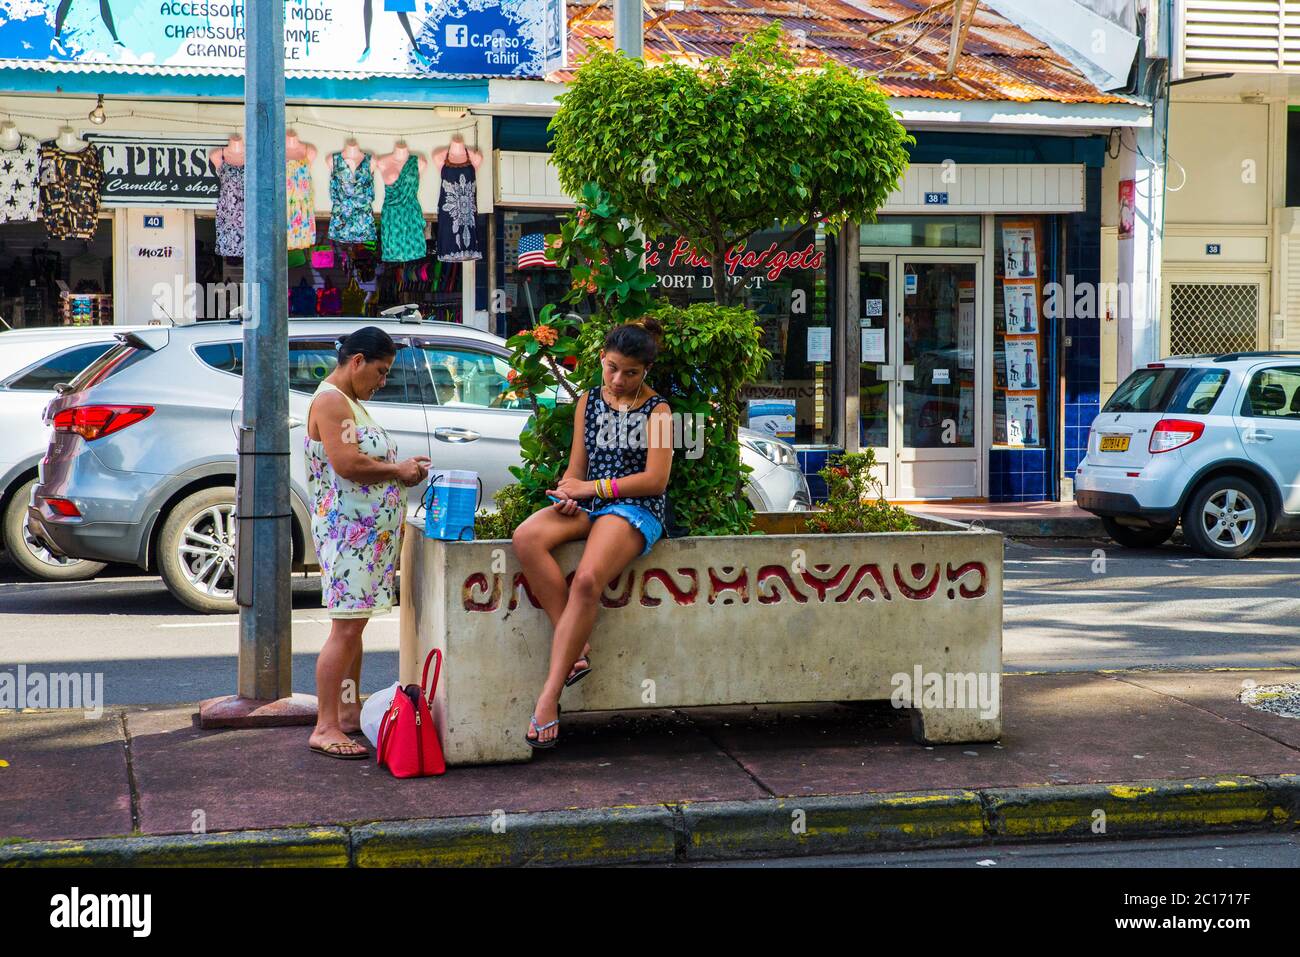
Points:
(555, 498)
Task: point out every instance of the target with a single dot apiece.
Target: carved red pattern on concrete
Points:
(730, 585)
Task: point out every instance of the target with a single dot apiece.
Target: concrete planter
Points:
(916, 617)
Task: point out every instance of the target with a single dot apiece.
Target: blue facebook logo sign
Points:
(493, 38)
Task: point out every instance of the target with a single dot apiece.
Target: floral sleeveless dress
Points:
(352, 200)
(355, 527)
(302, 205)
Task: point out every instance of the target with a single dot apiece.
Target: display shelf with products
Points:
(1018, 358)
(86, 309)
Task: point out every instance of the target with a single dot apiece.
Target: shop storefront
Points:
(956, 356)
(166, 239)
(934, 336)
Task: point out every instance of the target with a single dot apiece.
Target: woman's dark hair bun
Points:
(651, 325)
(637, 340)
(370, 342)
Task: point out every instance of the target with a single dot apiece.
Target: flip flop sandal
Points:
(334, 750)
(535, 743)
(577, 676)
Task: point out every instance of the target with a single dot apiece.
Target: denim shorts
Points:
(642, 519)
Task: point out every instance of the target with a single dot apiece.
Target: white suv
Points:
(1211, 441)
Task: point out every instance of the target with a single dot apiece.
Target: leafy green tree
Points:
(707, 356)
(717, 153)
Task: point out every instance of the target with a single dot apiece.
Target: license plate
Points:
(1114, 443)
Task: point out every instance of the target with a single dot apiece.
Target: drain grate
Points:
(1281, 700)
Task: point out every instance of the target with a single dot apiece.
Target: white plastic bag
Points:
(372, 712)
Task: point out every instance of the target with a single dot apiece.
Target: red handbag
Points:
(408, 741)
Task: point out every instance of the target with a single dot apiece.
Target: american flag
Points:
(532, 251)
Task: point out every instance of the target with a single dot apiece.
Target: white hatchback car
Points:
(1212, 442)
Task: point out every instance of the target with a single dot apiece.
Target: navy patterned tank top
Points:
(617, 444)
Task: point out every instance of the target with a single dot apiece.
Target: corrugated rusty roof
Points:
(999, 61)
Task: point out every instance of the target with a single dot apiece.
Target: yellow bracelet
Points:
(602, 488)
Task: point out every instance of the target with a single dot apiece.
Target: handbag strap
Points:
(385, 726)
(424, 680)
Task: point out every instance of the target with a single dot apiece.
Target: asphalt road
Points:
(1088, 606)
(1208, 851)
(1065, 609)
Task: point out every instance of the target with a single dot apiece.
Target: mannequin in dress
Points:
(353, 155)
(456, 153)
(232, 153)
(69, 142)
(296, 149)
(10, 138)
(390, 167)
(458, 230)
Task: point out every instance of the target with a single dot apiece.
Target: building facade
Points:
(947, 335)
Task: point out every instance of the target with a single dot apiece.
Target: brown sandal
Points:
(334, 750)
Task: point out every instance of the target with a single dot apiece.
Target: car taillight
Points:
(96, 421)
(63, 507)
(1170, 434)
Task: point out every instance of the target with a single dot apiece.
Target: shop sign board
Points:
(677, 261)
(469, 38)
(143, 169)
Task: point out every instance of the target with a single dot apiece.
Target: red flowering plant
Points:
(855, 499)
(602, 252)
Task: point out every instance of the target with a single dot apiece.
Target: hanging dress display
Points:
(401, 221)
(352, 201)
(302, 208)
(20, 191)
(458, 214)
(230, 210)
(70, 188)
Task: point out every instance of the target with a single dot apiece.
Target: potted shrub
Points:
(845, 611)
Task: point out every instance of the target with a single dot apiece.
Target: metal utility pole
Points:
(627, 27)
(264, 557)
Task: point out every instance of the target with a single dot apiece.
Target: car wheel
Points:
(1225, 518)
(30, 554)
(1137, 536)
(196, 551)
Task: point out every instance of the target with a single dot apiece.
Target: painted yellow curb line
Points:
(722, 830)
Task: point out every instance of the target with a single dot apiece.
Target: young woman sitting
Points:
(612, 494)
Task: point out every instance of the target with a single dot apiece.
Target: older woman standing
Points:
(356, 484)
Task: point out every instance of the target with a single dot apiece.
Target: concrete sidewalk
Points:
(1140, 752)
(1018, 519)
